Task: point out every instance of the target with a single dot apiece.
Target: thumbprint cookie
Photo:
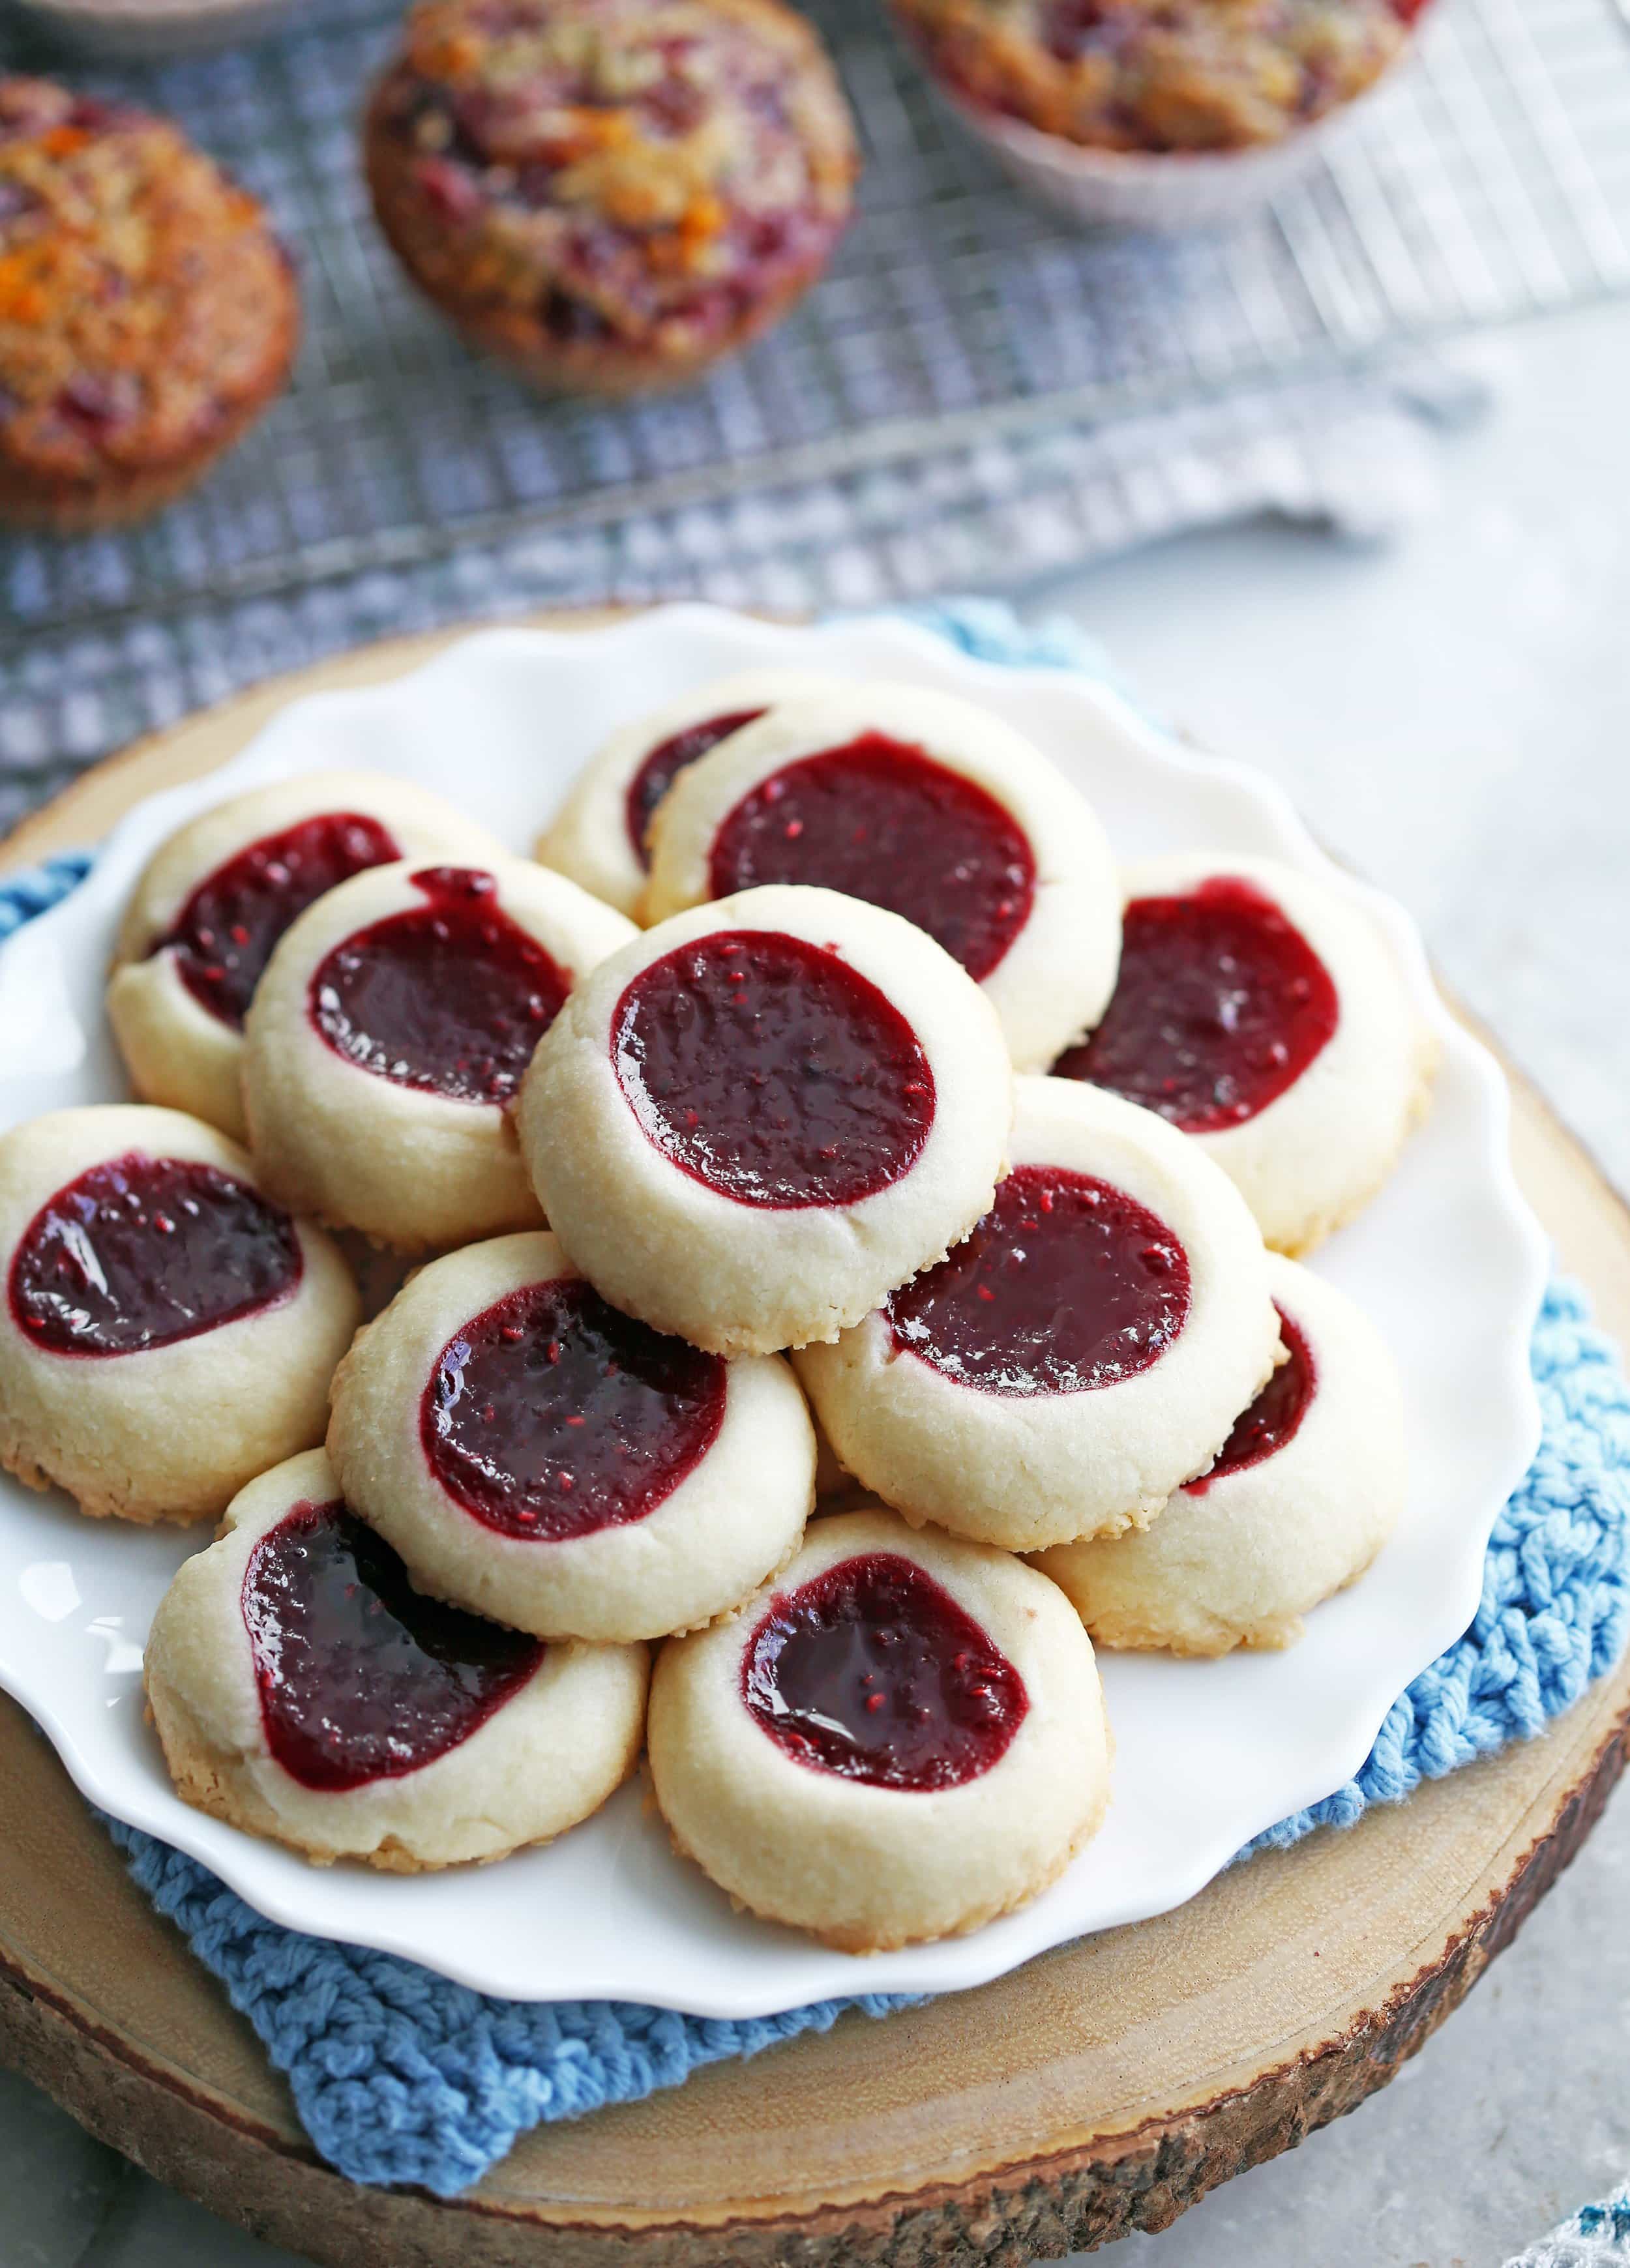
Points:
(750, 1124)
(900, 1739)
(388, 1035)
(303, 1690)
(1079, 1354)
(599, 834)
(1309, 1486)
(169, 1331)
(535, 1454)
(215, 896)
(930, 807)
(1262, 1012)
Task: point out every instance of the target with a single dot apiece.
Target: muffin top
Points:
(614, 163)
(1161, 75)
(142, 298)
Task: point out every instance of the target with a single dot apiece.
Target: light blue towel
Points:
(401, 2077)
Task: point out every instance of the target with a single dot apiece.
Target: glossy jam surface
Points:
(143, 1251)
(450, 997)
(223, 937)
(878, 820)
(770, 1070)
(1221, 1005)
(551, 1415)
(871, 1670)
(361, 1677)
(1066, 1285)
(1274, 1417)
(662, 766)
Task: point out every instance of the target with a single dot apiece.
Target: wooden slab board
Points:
(1102, 2088)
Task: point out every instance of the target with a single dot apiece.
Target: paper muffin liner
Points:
(160, 27)
(1164, 193)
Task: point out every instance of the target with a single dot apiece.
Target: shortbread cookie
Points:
(169, 1331)
(930, 807)
(599, 835)
(215, 896)
(1307, 1488)
(901, 1738)
(830, 1481)
(535, 1455)
(1263, 1013)
(1078, 1357)
(753, 1123)
(389, 1033)
(305, 1690)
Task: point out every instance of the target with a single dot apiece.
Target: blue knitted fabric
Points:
(401, 2077)
(1597, 2237)
(36, 891)
(1556, 1588)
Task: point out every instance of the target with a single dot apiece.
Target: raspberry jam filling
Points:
(662, 766)
(360, 1676)
(450, 997)
(879, 821)
(1274, 1417)
(551, 1415)
(143, 1251)
(768, 1069)
(873, 1671)
(223, 937)
(1221, 1005)
(1066, 1285)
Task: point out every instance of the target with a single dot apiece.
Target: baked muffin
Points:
(147, 313)
(1157, 76)
(611, 194)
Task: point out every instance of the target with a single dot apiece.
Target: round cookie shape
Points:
(599, 835)
(1307, 1488)
(533, 1452)
(304, 1689)
(927, 806)
(751, 1124)
(1263, 1013)
(168, 1330)
(899, 1739)
(1078, 1355)
(217, 895)
(388, 1035)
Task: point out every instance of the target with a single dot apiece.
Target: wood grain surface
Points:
(1102, 2088)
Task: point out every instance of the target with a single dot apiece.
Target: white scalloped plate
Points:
(1448, 1260)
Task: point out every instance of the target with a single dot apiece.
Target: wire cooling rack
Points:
(1492, 181)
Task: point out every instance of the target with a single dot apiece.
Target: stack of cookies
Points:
(909, 1165)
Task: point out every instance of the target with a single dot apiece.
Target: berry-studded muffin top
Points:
(643, 159)
(1161, 75)
(143, 300)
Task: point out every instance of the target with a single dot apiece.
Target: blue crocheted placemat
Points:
(1597, 2237)
(401, 2077)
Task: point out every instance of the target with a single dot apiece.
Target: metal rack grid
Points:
(1492, 181)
